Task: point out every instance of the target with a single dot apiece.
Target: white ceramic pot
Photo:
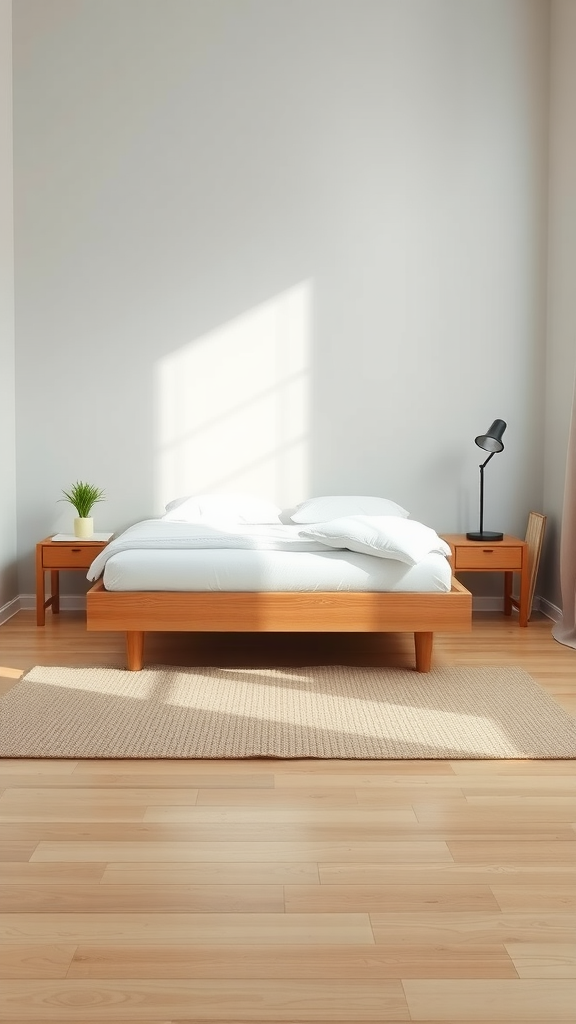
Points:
(84, 528)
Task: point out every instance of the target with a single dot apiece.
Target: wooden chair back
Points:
(535, 539)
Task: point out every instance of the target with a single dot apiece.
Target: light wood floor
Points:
(264, 890)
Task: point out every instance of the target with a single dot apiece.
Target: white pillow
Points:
(230, 508)
(385, 536)
(319, 510)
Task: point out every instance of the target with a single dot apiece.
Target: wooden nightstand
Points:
(54, 555)
(509, 555)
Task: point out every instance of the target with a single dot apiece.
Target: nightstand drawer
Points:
(488, 557)
(73, 556)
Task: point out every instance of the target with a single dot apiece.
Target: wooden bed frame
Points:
(139, 612)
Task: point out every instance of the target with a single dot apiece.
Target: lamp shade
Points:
(491, 441)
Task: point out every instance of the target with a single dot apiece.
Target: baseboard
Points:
(68, 603)
(496, 604)
(549, 610)
(10, 608)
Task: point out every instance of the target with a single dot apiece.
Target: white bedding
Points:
(156, 555)
(162, 535)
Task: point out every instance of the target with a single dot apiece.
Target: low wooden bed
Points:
(139, 612)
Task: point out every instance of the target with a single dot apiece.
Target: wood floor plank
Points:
(84, 1019)
(543, 959)
(319, 797)
(481, 928)
(536, 784)
(220, 873)
(192, 779)
(37, 766)
(33, 961)
(263, 1000)
(561, 852)
(447, 872)
(85, 778)
(209, 929)
(343, 816)
(379, 798)
(371, 898)
(145, 1019)
(16, 849)
(544, 800)
(33, 797)
(514, 768)
(146, 899)
(382, 825)
(398, 852)
(370, 778)
(318, 961)
(100, 832)
(331, 832)
(24, 873)
(491, 815)
(69, 810)
(410, 834)
(474, 784)
(53, 826)
(530, 898)
(523, 1000)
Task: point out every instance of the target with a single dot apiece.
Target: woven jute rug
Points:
(321, 712)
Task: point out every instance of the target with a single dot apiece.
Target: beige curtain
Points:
(565, 630)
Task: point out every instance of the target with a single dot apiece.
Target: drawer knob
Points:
(488, 551)
(76, 551)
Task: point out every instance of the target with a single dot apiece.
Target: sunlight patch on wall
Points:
(233, 406)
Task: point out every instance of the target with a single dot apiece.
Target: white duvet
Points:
(162, 535)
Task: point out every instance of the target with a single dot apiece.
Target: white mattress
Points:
(236, 570)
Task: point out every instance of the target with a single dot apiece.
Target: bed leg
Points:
(135, 650)
(423, 645)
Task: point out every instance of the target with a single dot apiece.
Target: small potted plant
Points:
(83, 497)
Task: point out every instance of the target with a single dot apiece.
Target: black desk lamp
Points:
(491, 442)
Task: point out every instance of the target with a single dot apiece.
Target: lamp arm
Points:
(482, 491)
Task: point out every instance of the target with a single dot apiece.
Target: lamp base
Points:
(485, 535)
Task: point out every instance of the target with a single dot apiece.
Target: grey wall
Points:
(291, 247)
(8, 573)
(561, 334)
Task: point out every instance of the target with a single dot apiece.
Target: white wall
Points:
(296, 246)
(8, 573)
(561, 334)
